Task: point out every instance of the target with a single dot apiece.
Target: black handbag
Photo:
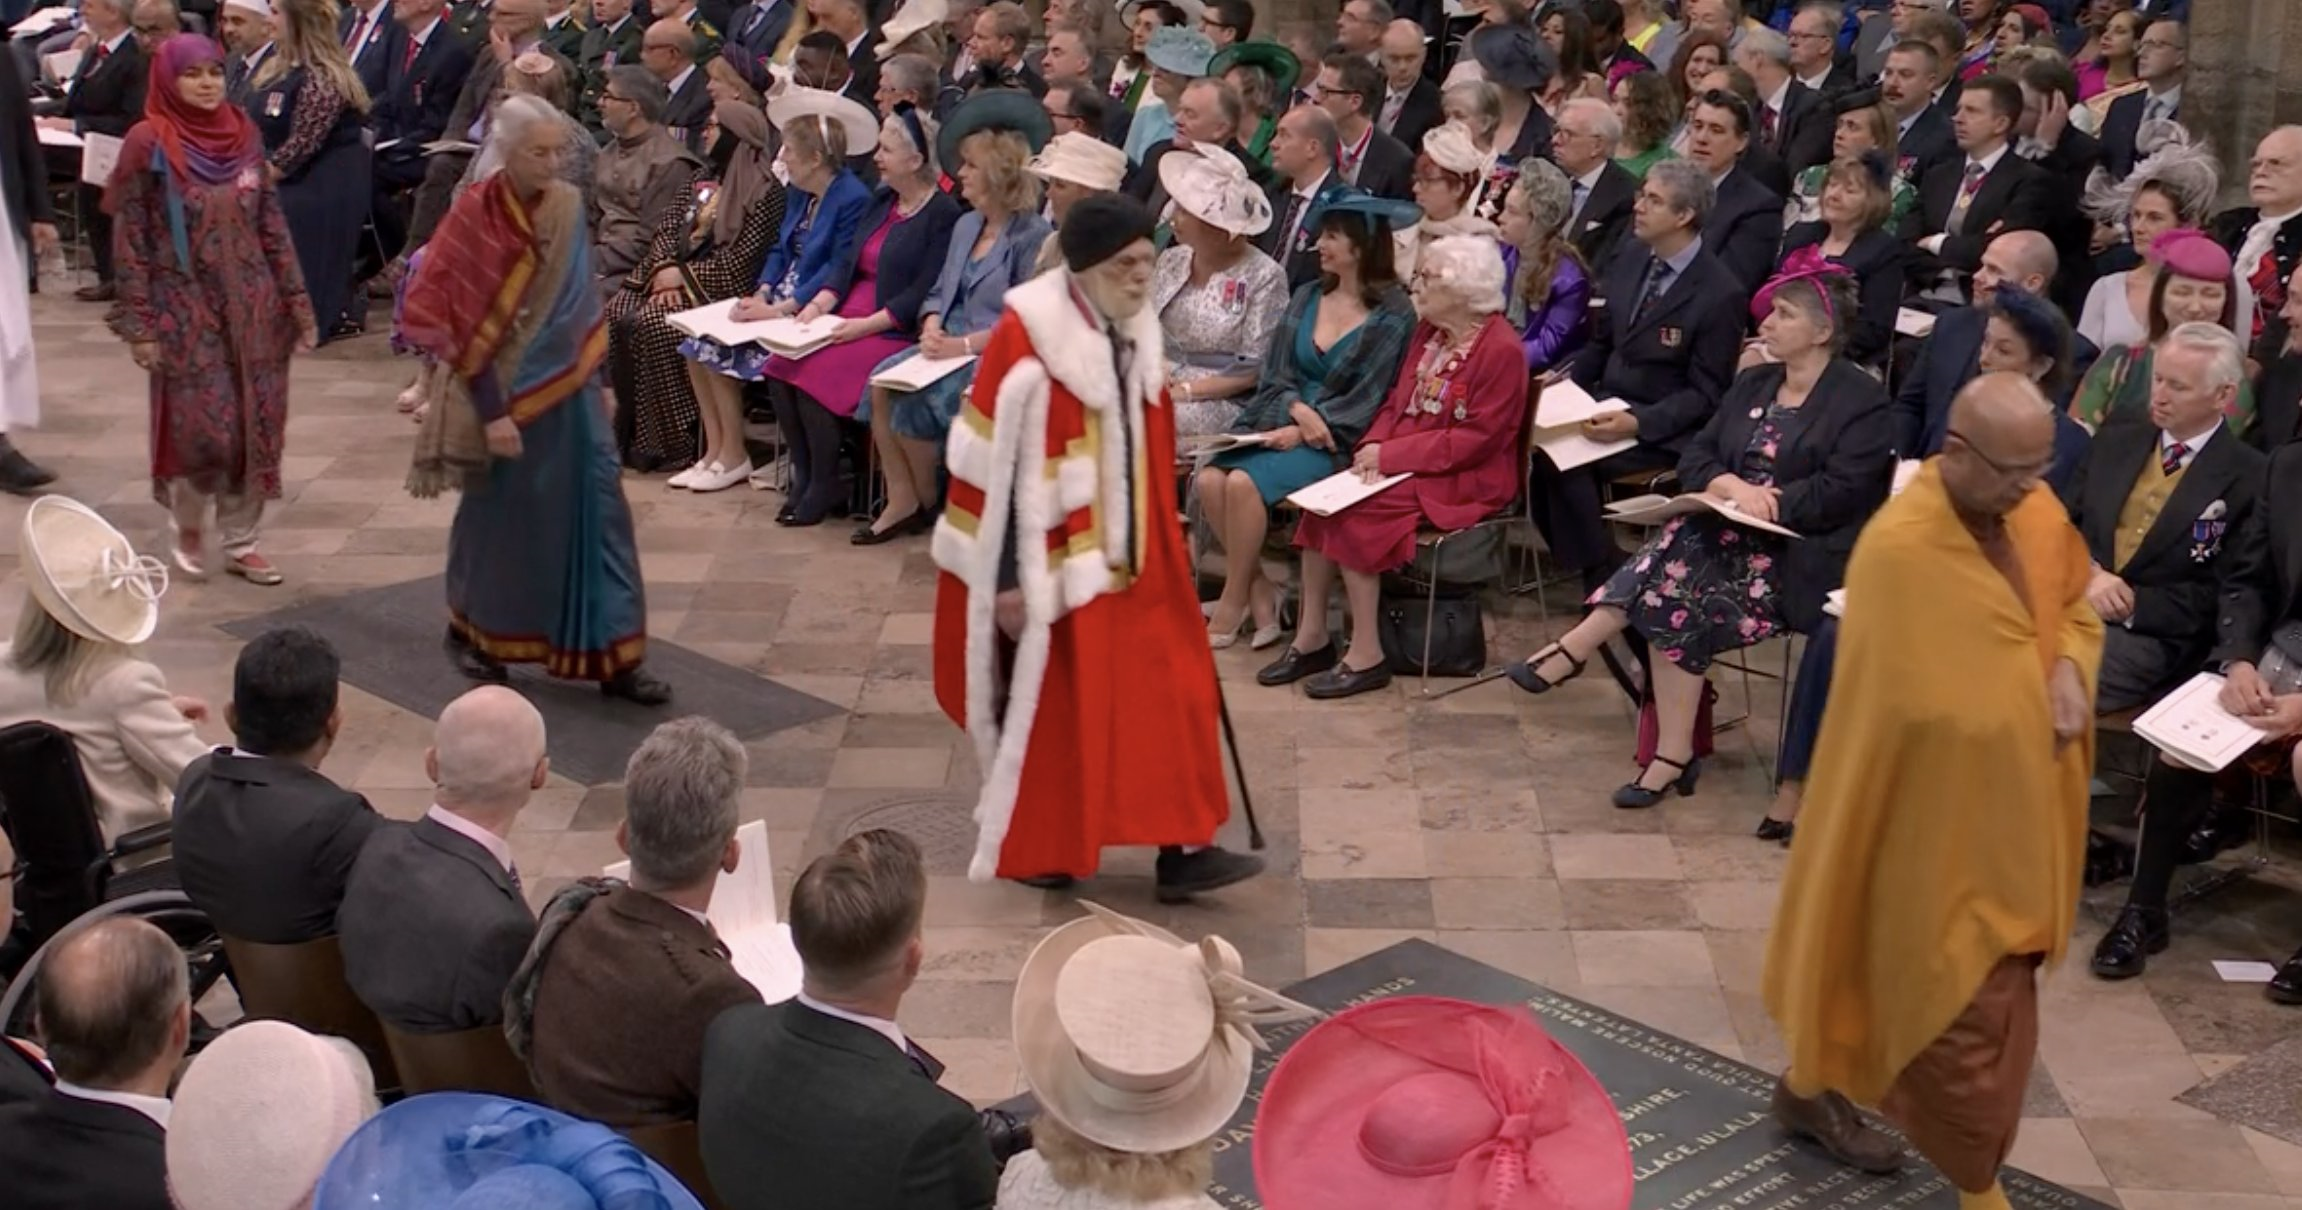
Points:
(1457, 635)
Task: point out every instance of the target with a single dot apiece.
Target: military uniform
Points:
(604, 47)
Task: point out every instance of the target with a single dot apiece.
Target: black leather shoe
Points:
(917, 523)
(1047, 882)
(1771, 828)
(1342, 681)
(1293, 665)
(1181, 875)
(2285, 987)
(1831, 1122)
(1633, 796)
(2225, 829)
(2125, 950)
(473, 662)
(789, 510)
(635, 685)
(19, 475)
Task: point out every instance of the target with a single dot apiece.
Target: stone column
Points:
(2245, 78)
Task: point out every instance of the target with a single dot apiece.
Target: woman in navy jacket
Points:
(822, 208)
(876, 292)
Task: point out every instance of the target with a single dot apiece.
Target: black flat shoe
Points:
(1181, 875)
(1633, 796)
(1293, 665)
(918, 522)
(1342, 681)
(2286, 986)
(473, 662)
(1771, 828)
(1047, 882)
(2125, 950)
(784, 515)
(19, 475)
(637, 686)
(1523, 673)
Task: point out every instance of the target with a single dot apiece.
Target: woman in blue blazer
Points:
(823, 206)
(891, 266)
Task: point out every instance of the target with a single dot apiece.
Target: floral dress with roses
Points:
(1704, 584)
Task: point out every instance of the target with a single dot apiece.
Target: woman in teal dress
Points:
(542, 567)
(1314, 400)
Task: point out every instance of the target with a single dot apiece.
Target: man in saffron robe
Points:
(1068, 638)
(1938, 860)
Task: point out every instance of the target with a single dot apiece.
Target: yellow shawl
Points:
(1942, 831)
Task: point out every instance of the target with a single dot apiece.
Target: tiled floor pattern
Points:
(1480, 821)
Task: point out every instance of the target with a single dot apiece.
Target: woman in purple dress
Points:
(1549, 296)
(877, 293)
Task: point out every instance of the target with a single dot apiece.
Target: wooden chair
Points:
(470, 1060)
(303, 984)
(679, 1148)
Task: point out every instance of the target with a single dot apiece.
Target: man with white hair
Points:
(2265, 240)
(1793, 121)
(1813, 41)
(434, 921)
(1601, 192)
(610, 1006)
(2197, 367)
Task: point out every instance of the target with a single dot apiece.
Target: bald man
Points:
(1410, 105)
(1938, 860)
(434, 919)
(1952, 352)
(115, 1011)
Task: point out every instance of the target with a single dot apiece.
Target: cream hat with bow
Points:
(1211, 185)
(1136, 1039)
(1451, 147)
(85, 575)
(1082, 160)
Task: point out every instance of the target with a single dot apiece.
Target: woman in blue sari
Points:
(542, 567)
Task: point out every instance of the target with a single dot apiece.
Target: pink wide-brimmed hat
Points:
(1421, 1103)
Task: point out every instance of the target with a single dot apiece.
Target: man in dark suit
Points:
(115, 1012)
(371, 41)
(2067, 155)
(1666, 345)
(106, 97)
(563, 29)
(263, 841)
(610, 1007)
(1951, 354)
(1205, 115)
(667, 50)
(1814, 59)
(433, 923)
(700, 21)
(1410, 104)
(1922, 132)
(821, 1100)
(1744, 227)
(514, 27)
(1793, 122)
(1000, 35)
(245, 29)
(2259, 594)
(422, 83)
(1303, 159)
(758, 25)
(612, 41)
(2265, 239)
(2156, 502)
(1349, 89)
(850, 22)
(2161, 61)
(28, 218)
(2278, 392)
(1600, 192)
(1986, 192)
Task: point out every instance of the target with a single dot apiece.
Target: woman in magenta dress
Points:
(1453, 422)
(907, 229)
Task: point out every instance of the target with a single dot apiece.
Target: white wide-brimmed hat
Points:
(260, 1113)
(1451, 147)
(798, 102)
(1211, 185)
(1081, 159)
(1136, 1039)
(915, 15)
(85, 574)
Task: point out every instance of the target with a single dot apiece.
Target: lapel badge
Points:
(1671, 337)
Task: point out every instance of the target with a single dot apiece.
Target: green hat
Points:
(993, 109)
(1281, 63)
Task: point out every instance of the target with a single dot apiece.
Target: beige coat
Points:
(133, 742)
(636, 183)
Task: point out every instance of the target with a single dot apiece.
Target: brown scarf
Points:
(748, 176)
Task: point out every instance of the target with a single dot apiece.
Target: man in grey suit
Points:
(433, 923)
(821, 1100)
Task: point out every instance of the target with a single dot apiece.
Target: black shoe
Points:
(2285, 987)
(1633, 796)
(2125, 950)
(19, 475)
(473, 662)
(1832, 1123)
(1342, 681)
(1181, 875)
(2224, 830)
(1293, 665)
(635, 685)
(1523, 673)
(1047, 882)
(784, 515)
(1771, 828)
(918, 522)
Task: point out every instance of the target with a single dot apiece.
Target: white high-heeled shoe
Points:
(1266, 636)
(720, 478)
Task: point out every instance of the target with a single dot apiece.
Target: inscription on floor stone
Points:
(1701, 1136)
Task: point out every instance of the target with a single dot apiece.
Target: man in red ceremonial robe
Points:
(1068, 637)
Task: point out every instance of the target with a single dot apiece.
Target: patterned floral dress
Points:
(1221, 326)
(1704, 584)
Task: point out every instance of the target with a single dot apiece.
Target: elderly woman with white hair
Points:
(1452, 423)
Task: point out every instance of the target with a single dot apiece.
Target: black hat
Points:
(1858, 98)
(993, 109)
(1099, 226)
(1514, 56)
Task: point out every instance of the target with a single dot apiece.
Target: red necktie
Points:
(1766, 121)
(103, 52)
(359, 31)
(408, 61)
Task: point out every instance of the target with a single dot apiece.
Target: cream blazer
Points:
(133, 742)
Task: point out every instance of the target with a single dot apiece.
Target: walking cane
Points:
(1238, 770)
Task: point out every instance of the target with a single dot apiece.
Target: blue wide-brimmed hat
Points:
(1353, 200)
(1186, 52)
(465, 1151)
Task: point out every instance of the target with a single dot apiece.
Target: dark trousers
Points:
(1809, 694)
(432, 197)
(2138, 668)
(2175, 801)
(98, 225)
(1565, 507)
(811, 433)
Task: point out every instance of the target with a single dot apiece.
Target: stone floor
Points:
(1480, 821)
